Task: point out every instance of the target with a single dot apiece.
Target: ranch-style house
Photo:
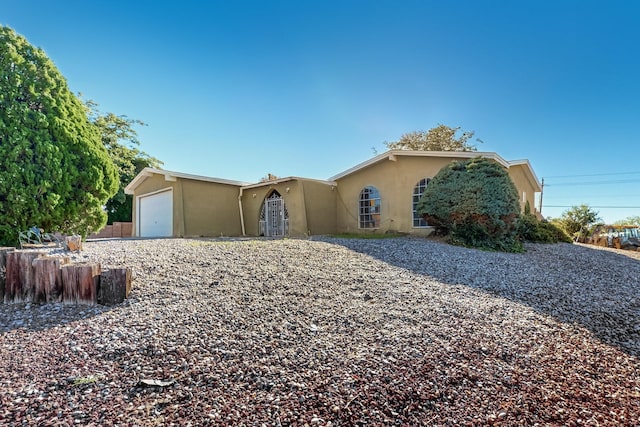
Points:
(376, 196)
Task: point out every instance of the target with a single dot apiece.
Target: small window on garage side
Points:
(369, 208)
(418, 191)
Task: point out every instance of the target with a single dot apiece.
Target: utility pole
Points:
(541, 193)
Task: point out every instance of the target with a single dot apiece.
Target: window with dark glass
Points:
(369, 208)
(418, 191)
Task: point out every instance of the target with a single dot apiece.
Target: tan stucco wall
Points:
(200, 208)
(396, 181)
(523, 182)
(153, 184)
(320, 203)
(310, 204)
(293, 196)
(210, 209)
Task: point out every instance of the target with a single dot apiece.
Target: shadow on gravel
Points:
(35, 317)
(594, 288)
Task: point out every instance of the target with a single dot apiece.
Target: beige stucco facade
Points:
(211, 207)
(199, 207)
(396, 175)
(310, 205)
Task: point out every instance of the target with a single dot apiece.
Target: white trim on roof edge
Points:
(289, 178)
(172, 176)
(525, 162)
(391, 155)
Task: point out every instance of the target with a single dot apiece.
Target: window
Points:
(369, 208)
(418, 191)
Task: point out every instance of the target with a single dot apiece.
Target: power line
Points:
(593, 174)
(558, 197)
(595, 207)
(620, 181)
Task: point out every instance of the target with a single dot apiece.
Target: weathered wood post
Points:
(80, 283)
(19, 281)
(89, 280)
(115, 285)
(48, 278)
(69, 275)
(3, 269)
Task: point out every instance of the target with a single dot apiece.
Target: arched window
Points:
(418, 191)
(369, 208)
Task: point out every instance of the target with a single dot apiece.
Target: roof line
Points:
(147, 172)
(289, 178)
(525, 162)
(391, 153)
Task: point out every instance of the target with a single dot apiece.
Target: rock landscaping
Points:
(333, 332)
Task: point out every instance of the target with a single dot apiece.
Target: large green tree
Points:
(439, 138)
(54, 171)
(120, 138)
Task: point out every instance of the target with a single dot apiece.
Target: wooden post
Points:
(48, 278)
(89, 281)
(73, 243)
(115, 285)
(19, 281)
(69, 275)
(3, 269)
(80, 283)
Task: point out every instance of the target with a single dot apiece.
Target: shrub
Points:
(475, 203)
(531, 229)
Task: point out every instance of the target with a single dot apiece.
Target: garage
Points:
(155, 214)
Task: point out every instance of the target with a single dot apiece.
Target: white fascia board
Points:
(289, 178)
(394, 154)
(525, 162)
(172, 176)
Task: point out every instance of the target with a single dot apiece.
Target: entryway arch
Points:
(274, 217)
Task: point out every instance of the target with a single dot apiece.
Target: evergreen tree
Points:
(54, 171)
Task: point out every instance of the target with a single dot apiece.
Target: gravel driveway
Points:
(336, 332)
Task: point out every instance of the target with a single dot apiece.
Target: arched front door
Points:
(274, 218)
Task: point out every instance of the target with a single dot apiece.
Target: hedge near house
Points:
(475, 203)
(54, 171)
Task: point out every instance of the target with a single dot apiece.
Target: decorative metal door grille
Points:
(274, 218)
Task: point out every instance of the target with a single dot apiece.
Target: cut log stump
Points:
(20, 279)
(73, 243)
(115, 285)
(80, 283)
(3, 269)
(48, 278)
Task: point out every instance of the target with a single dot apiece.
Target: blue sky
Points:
(239, 89)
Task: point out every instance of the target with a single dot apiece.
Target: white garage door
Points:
(155, 215)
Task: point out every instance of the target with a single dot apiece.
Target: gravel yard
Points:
(328, 331)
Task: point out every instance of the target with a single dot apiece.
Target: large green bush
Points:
(475, 203)
(54, 171)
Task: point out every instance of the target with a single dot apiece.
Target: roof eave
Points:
(172, 176)
(412, 153)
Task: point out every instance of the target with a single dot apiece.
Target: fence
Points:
(117, 229)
